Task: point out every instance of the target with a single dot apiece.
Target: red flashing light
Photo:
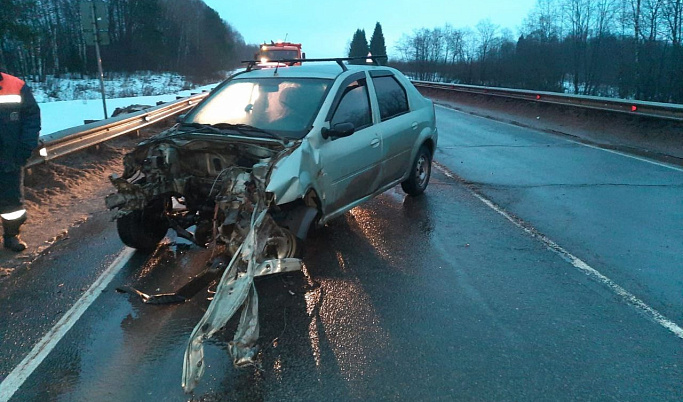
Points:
(634, 108)
(538, 97)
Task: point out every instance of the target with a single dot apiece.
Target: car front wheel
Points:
(142, 229)
(420, 172)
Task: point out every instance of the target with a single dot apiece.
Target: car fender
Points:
(295, 174)
(428, 134)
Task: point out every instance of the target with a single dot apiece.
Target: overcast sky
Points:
(325, 27)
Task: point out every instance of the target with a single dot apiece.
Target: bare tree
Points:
(578, 14)
(544, 21)
(487, 32)
(606, 12)
(672, 11)
(603, 47)
(601, 26)
(437, 45)
(652, 14)
(636, 11)
(455, 44)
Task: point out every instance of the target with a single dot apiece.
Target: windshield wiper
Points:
(200, 126)
(242, 128)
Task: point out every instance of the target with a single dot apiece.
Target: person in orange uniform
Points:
(19, 131)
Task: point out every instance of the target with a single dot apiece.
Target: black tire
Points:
(142, 229)
(420, 172)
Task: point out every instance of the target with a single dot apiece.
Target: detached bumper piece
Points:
(201, 281)
(236, 289)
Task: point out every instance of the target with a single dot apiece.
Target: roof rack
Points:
(338, 60)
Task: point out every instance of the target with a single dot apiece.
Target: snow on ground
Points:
(58, 116)
(116, 85)
(67, 101)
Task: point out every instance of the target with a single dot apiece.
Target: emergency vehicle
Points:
(271, 53)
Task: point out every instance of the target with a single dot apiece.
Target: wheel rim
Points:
(422, 171)
(284, 245)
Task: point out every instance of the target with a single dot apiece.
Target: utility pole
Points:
(95, 22)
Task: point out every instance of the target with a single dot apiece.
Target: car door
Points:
(398, 127)
(351, 165)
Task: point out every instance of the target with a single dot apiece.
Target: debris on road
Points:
(165, 185)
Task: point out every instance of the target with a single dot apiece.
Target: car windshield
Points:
(285, 106)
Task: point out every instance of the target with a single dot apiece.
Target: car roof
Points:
(330, 70)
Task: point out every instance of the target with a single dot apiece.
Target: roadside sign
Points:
(89, 37)
(101, 15)
(102, 21)
(95, 22)
(87, 23)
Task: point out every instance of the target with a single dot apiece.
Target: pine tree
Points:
(377, 46)
(359, 46)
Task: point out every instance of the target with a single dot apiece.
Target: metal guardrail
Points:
(666, 111)
(74, 139)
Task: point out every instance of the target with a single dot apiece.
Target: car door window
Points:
(391, 97)
(354, 106)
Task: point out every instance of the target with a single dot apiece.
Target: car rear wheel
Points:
(143, 229)
(420, 172)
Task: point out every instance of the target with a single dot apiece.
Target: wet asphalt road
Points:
(438, 297)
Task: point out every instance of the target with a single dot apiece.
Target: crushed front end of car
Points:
(239, 174)
(211, 188)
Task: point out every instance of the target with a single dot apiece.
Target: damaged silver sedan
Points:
(248, 171)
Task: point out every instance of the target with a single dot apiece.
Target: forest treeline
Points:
(623, 48)
(44, 37)
(618, 48)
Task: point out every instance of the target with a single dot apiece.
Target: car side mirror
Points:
(338, 130)
(303, 55)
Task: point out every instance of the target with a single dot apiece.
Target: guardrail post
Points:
(94, 150)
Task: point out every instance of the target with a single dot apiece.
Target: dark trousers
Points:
(11, 191)
(11, 199)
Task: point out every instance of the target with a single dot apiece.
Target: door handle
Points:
(374, 143)
(414, 125)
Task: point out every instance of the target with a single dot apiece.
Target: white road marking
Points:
(39, 352)
(573, 260)
(612, 151)
(638, 158)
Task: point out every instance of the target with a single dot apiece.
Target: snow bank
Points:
(60, 115)
(67, 102)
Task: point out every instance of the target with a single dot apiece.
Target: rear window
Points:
(391, 96)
